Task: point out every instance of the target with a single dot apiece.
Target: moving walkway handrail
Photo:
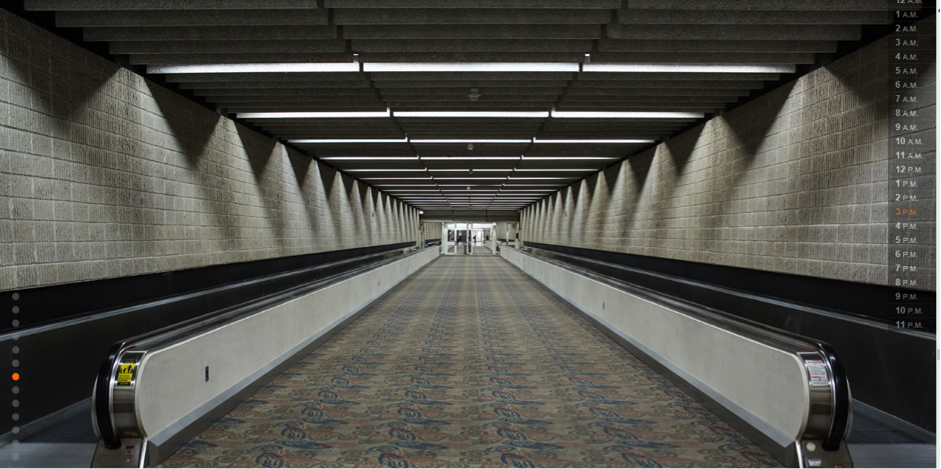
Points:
(840, 418)
(104, 418)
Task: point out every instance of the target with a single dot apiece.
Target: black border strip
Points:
(60, 302)
(849, 298)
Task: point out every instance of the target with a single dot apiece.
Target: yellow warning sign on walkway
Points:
(126, 373)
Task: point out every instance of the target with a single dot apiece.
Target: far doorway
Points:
(468, 239)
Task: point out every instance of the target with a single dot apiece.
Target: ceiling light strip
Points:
(383, 170)
(603, 142)
(256, 68)
(313, 115)
(469, 178)
(686, 68)
(471, 67)
(476, 158)
(473, 141)
(626, 115)
(474, 114)
(354, 140)
(369, 158)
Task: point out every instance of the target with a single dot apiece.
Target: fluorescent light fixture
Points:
(470, 67)
(404, 185)
(472, 185)
(461, 114)
(472, 141)
(668, 68)
(369, 158)
(560, 170)
(427, 178)
(476, 158)
(469, 177)
(570, 158)
(517, 178)
(474, 169)
(627, 141)
(626, 115)
(514, 191)
(353, 140)
(256, 68)
(313, 115)
(392, 170)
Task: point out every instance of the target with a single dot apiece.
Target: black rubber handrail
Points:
(842, 392)
(181, 330)
(106, 430)
(841, 383)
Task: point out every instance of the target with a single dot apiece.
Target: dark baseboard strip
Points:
(910, 430)
(60, 302)
(38, 426)
(849, 298)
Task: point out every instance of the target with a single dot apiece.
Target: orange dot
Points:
(16, 376)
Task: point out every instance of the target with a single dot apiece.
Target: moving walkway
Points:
(786, 393)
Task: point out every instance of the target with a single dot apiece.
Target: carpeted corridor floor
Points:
(470, 363)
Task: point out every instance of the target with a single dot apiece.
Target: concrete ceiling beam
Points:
(468, 16)
(77, 19)
(470, 45)
(724, 58)
(712, 32)
(464, 4)
(283, 85)
(208, 33)
(676, 84)
(463, 31)
(605, 93)
(736, 16)
(314, 101)
(265, 77)
(615, 45)
(141, 5)
(252, 58)
(421, 57)
(276, 93)
(788, 5)
(226, 47)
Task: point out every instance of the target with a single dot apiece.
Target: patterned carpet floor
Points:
(470, 363)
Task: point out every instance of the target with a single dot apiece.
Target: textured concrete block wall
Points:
(506, 231)
(105, 174)
(794, 182)
(432, 230)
